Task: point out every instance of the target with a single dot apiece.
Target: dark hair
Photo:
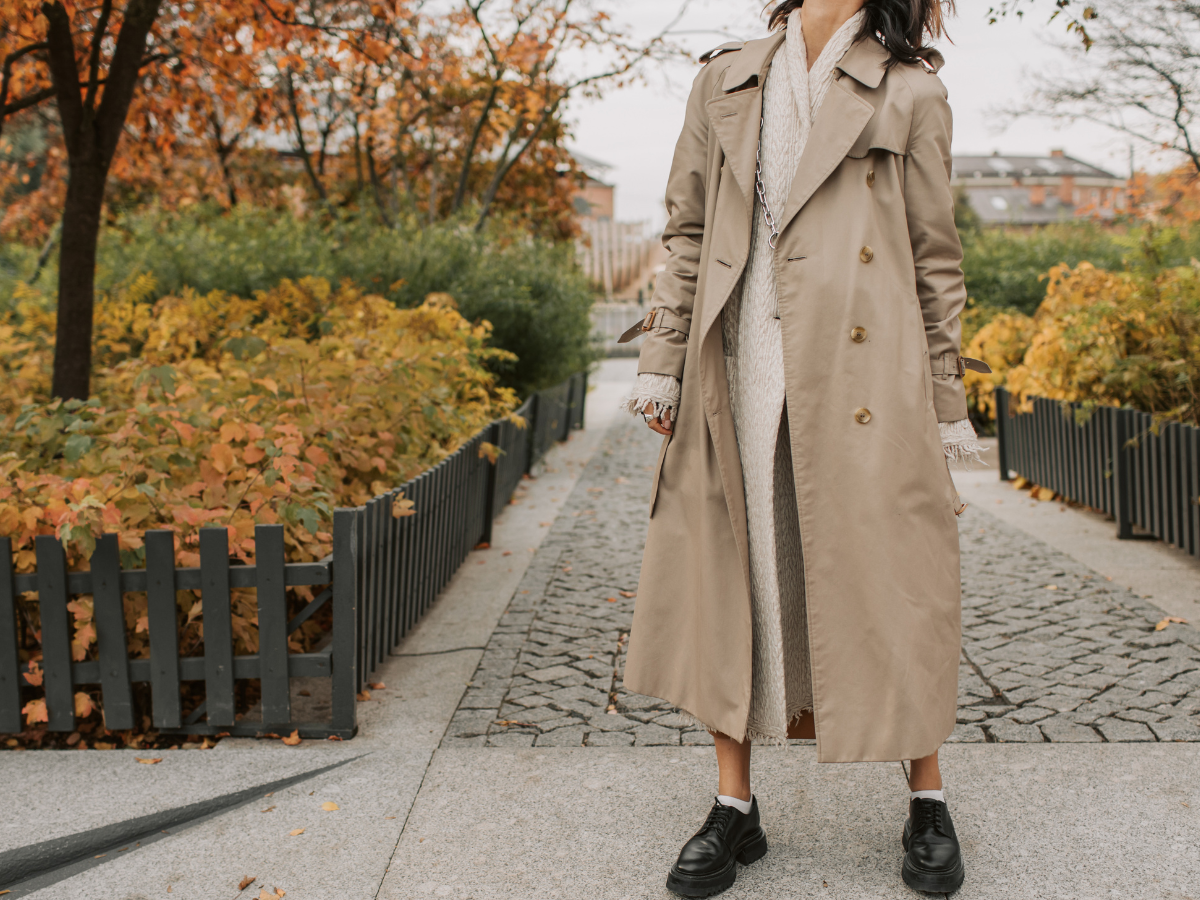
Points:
(900, 25)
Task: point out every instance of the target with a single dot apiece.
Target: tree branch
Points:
(94, 53)
(63, 72)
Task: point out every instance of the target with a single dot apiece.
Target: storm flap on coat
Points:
(869, 280)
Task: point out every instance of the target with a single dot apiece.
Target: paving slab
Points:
(339, 853)
(1051, 820)
(1158, 572)
(62, 792)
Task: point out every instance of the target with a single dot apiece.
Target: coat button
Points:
(858, 334)
(871, 178)
(862, 415)
(866, 254)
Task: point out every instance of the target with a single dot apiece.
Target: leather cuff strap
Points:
(952, 364)
(660, 317)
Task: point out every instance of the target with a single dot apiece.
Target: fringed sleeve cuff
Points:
(660, 390)
(960, 443)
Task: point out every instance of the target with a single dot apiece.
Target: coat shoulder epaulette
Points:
(729, 47)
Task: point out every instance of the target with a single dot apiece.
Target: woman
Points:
(801, 570)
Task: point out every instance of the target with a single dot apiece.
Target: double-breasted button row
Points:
(862, 415)
(858, 334)
(871, 178)
(866, 254)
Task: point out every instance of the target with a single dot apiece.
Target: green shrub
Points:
(1006, 268)
(530, 290)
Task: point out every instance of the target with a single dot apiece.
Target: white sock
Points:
(742, 806)
(926, 795)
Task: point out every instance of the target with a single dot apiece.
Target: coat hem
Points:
(752, 734)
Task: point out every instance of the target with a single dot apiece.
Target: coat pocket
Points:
(662, 455)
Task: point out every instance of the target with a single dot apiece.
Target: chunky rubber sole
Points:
(932, 882)
(722, 880)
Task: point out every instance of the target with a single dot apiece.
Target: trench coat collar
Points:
(865, 62)
(840, 120)
(734, 113)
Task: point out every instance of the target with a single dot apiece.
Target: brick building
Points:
(1037, 190)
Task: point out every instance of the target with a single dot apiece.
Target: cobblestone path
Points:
(1051, 650)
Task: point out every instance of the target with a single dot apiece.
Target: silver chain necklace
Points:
(761, 190)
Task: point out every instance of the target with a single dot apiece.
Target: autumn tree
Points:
(454, 111)
(1137, 74)
(87, 60)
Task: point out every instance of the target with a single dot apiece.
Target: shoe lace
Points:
(928, 814)
(719, 817)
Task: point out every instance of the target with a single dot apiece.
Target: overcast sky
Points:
(634, 129)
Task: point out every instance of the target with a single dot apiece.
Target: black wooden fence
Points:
(1114, 462)
(384, 572)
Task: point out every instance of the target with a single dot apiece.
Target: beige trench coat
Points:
(870, 286)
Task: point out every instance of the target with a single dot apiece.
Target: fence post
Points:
(1122, 474)
(218, 626)
(271, 591)
(10, 658)
(111, 644)
(489, 500)
(56, 632)
(531, 427)
(345, 619)
(1002, 433)
(164, 629)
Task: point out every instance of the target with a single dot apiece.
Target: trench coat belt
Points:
(952, 364)
(656, 318)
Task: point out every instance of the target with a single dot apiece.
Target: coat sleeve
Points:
(936, 250)
(664, 348)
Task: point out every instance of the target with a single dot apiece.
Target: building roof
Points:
(998, 166)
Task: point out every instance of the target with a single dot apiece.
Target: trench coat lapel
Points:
(842, 117)
(734, 114)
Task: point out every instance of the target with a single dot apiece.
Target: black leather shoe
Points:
(707, 863)
(932, 858)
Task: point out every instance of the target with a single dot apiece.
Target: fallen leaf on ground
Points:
(611, 599)
(392, 817)
(1168, 621)
(376, 685)
(306, 693)
(246, 882)
(483, 545)
(1052, 587)
(506, 553)
(543, 524)
(363, 696)
(627, 594)
(329, 806)
(296, 832)
(293, 739)
(149, 762)
(513, 723)
(333, 737)
(268, 809)
(567, 569)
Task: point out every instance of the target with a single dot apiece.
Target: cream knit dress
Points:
(781, 683)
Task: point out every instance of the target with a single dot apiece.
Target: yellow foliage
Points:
(1101, 339)
(219, 410)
